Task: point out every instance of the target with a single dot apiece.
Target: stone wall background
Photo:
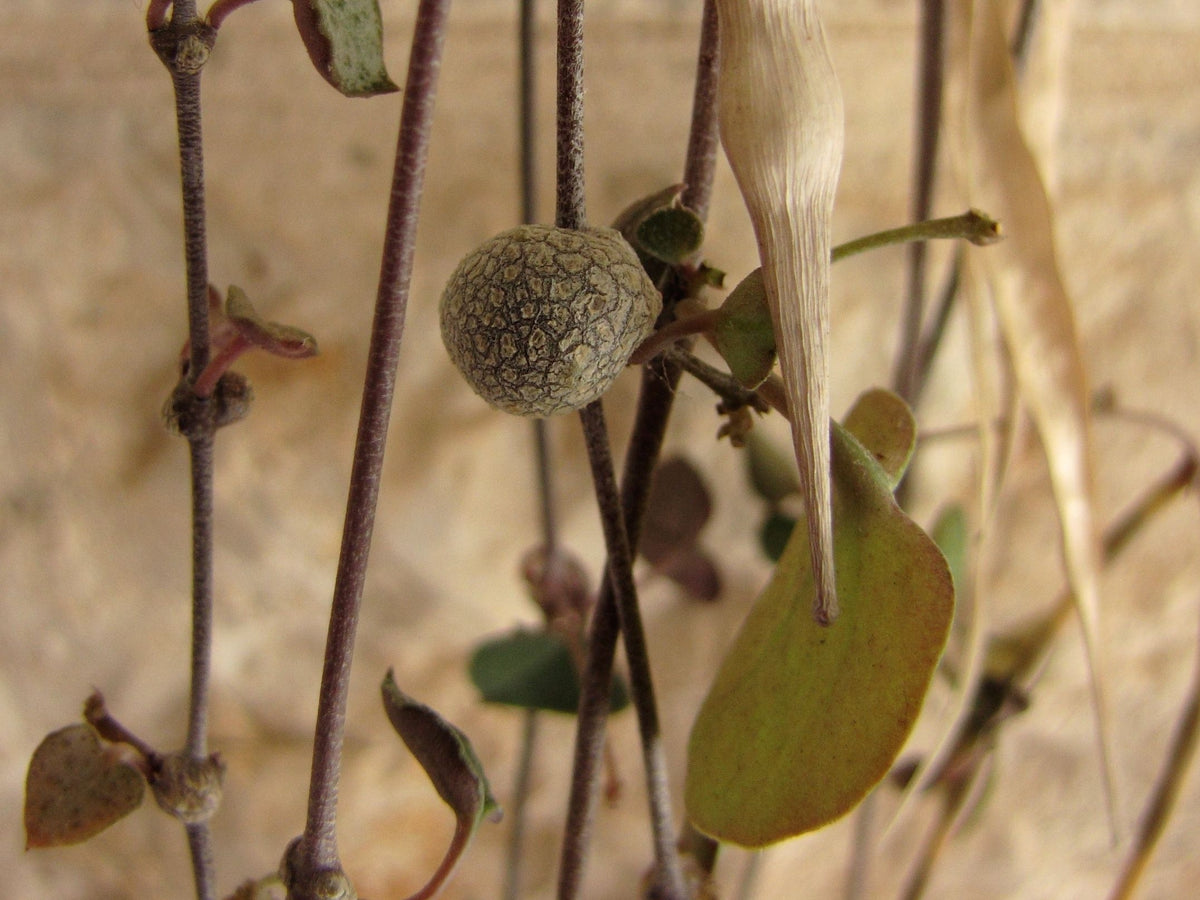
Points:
(93, 493)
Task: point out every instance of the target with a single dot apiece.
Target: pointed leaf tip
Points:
(444, 752)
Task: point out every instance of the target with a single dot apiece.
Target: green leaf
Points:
(444, 752)
(533, 670)
(803, 719)
(772, 473)
(344, 39)
(670, 234)
(744, 335)
(949, 532)
(774, 535)
(77, 786)
(628, 220)
(884, 425)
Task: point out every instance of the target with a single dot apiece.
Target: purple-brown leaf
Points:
(77, 786)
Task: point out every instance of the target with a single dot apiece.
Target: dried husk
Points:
(782, 128)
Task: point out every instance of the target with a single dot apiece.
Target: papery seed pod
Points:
(782, 129)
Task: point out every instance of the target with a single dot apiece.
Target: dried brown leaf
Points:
(1034, 313)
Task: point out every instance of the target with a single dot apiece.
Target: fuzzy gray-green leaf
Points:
(344, 39)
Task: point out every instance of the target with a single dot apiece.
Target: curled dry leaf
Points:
(344, 39)
(781, 125)
(1034, 313)
(448, 758)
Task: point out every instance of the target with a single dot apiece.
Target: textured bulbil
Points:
(541, 320)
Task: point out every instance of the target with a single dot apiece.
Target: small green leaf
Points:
(670, 234)
(630, 217)
(344, 39)
(949, 532)
(77, 786)
(444, 752)
(775, 533)
(744, 334)
(533, 670)
(772, 473)
(803, 719)
(884, 425)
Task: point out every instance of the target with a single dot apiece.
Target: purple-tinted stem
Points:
(203, 868)
(657, 395)
(669, 880)
(319, 847)
(156, 12)
(703, 141)
(222, 8)
(200, 440)
(570, 207)
(931, 54)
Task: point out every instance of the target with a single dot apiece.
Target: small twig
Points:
(318, 849)
(733, 395)
(1166, 789)
(527, 134)
(527, 111)
(645, 443)
(96, 714)
(672, 332)
(220, 9)
(199, 839)
(183, 45)
(973, 225)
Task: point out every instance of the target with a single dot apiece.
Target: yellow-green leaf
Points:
(884, 425)
(803, 720)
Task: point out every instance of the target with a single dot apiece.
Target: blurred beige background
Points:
(93, 493)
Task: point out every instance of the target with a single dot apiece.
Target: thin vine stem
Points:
(169, 40)
(527, 146)
(199, 839)
(701, 160)
(929, 109)
(655, 400)
(318, 849)
(660, 379)
(669, 874)
(570, 210)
